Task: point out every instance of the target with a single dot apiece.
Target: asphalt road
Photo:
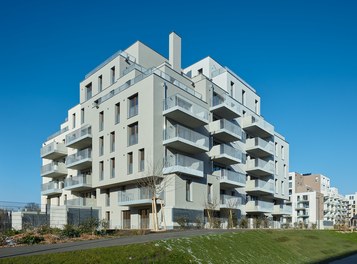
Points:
(9, 252)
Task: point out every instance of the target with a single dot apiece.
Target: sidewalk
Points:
(81, 245)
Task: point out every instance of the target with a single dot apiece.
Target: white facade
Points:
(198, 129)
(351, 207)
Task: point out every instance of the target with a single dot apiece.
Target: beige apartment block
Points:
(197, 133)
(315, 202)
(351, 208)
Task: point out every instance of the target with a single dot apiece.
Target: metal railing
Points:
(81, 202)
(52, 147)
(85, 131)
(258, 142)
(173, 131)
(262, 164)
(233, 176)
(78, 180)
(226, 125)
(52, 185)
(183, 161)
(65, 129)
(230, 201)
(186, 104)
(258, 121)
(224, 149)
(264, 185)
(53, 166)
(260, 205)
(79, 156)
(136, 195)
(227, 101)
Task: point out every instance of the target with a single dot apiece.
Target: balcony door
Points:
(144, 218)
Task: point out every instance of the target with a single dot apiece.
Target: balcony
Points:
(80, 138)
(81, 160)
(54, 169)
(259, 187)
(258, 147)
(78, 183)
(259, 207)
(225, 106)
(225, 154)
(303, 214)
(230, 202)
(181, 164)
(225, 130)
(185, 139)
(259, 167)
(88, 202)
(282, 209)
(136, 197)
(230, 179)
(257, 127)
(51, 188)
(53, 150)
(185, 111)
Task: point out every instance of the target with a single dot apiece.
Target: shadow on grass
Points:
(339, 257)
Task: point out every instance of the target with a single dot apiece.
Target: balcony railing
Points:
(53, 150)
(226, 106)
(54, 169)
(81, 156)
(185, 111)
(260, 167)
(258, 126)
(226, 154)
(229, 201)
(225, 130)
(78, 181)
(259, 206)
(82, 202)
(259, 146)
(191, 139)
(137, 196)
(52, 187)
(282, 209)
(80, 137)
(65, 129)
(231, 177)
(260, 186)
(178, 163)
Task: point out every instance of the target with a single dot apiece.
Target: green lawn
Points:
(248, 246)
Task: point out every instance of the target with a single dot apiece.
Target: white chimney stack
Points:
(175, 51)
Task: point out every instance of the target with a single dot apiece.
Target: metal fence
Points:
(78, 216)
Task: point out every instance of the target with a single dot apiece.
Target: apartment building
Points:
(315, 202)
(351, 207)
(148, 134)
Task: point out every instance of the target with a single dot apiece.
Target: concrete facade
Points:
(198, 130)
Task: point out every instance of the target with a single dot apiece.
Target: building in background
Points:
(315, 202)
(152, 142)
(351, 208)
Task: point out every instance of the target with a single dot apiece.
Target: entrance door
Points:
(126, 219)
(144, 218)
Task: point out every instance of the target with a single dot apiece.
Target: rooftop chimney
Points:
(175, 51)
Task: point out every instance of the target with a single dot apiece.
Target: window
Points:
(133, 134)
(189, 190)
(107, 216)
(82, 116)
(112, 168)
(101, 121)
(112, 141)
(112, 75)
(130, 163)
(141, 159)
(285, 171)
(88, 91)
(276, 186)
(117, 113)
(200, 71)
(73, 120)
(256, 106)
(276, 168)
(282, 188)
(276, 149)
(133, 106)
(101, 146)
(107, 197)
(243, 97)
(100, 83)
(101, 170)
(209, 193)
(232, 89)
(282, 152)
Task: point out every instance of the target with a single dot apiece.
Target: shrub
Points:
(216, 222)
(243, 223)
(182, 221)
(89, 226)
(70, 231)
(198, 222)
(30, 239)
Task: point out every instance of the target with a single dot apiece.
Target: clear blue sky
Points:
(300, 56)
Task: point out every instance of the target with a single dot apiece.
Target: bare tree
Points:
(232, 204)
(211, 205)
(153, 184)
